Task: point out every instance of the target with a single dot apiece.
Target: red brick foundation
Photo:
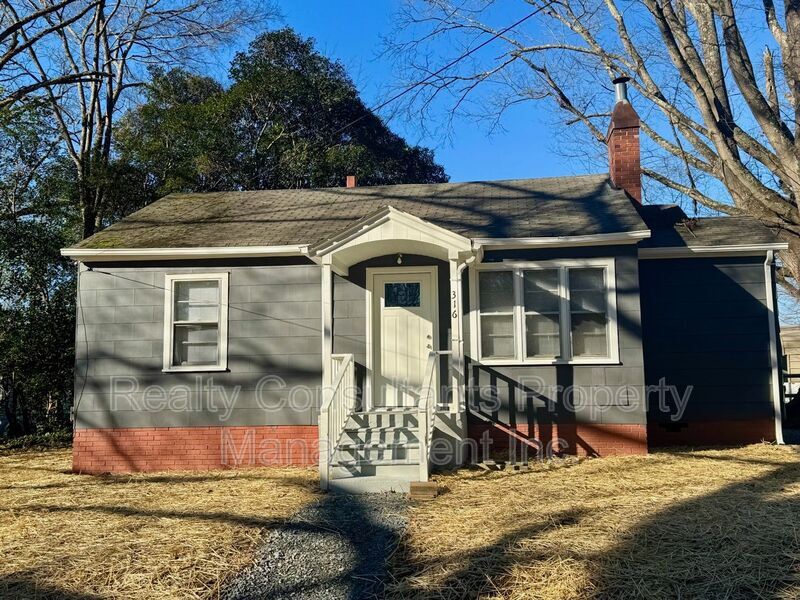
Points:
(192, 448)
(580, 439)
(712, 433)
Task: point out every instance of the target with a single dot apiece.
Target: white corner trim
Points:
(599, 239)
(711, 251)
(112, 254)
(777, 395)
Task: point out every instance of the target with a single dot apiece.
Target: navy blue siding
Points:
(705, 324)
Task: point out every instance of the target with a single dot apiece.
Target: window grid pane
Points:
(497, 336)
(496, 290)
(195, 345)
(196, 301)
(542, 338)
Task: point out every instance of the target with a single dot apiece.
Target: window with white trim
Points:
(196, 322)
(548, 312)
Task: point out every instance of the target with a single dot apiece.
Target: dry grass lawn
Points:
(169, 535)
(702, 524)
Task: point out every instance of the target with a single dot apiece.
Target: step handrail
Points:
(339, 404)
(426, 414)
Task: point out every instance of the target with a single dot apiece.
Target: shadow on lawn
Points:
(127, 511)
(179, 477)
(18, 586)
(485, 566)
(739, 542)
(366, 540)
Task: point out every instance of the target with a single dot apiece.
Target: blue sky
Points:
(352, 31)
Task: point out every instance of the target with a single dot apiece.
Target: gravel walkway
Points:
(335, 549)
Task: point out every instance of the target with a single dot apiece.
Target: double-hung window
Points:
(550, 312)
(196, 322)
(497, 313)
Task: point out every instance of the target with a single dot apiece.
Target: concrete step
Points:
(385, 469)
(383, 420)
(376, 453)
(375, 462)
(382, 430)
(368, 485)
(389, 410)
(386, 435)
(376, 445)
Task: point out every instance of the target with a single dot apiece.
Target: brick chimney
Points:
(623, 143)
(351, 181)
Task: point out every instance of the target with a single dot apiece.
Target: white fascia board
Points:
(710, 251)
(124, 254)
(362, 225)
(334, 243)
(564, 241)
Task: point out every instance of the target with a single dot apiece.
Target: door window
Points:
(404, 295)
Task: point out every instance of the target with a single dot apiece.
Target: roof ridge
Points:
(359, 189)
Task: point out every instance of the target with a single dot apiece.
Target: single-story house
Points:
(383, 331)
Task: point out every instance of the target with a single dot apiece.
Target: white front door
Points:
(403, 333)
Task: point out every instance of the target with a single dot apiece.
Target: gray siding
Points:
(532, 394)
(274, 330)
(706, 325)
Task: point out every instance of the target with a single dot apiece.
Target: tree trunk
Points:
(10, 409)
(88, 209)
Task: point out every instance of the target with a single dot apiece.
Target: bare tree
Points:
(22, 27)
(83, 57)
(723, 127)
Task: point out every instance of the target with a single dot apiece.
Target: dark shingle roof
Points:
(671, 228)
(558, 206)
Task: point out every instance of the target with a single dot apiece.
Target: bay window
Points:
(549, 312)
(195, 322)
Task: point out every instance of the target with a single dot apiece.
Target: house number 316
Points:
(455, 304)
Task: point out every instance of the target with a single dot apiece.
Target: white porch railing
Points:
(426, 418)
(339, 404)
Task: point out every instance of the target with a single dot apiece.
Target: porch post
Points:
(327, 349)
(327, 322)
(456, 338)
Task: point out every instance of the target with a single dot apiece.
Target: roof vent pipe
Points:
(621, 88)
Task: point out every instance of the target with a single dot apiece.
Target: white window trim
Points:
(565, 325)
(169, 286)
